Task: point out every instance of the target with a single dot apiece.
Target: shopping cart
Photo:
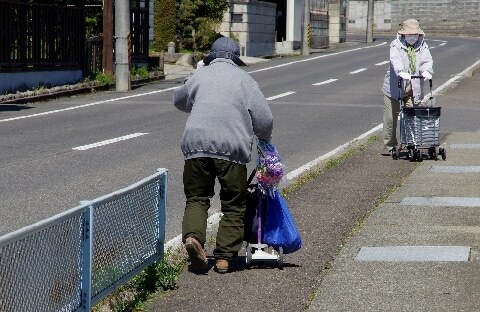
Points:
(419, 129)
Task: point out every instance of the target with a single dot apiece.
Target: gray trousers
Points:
(391, 109)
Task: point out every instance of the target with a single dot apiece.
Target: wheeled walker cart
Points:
(419, 130)
(255, 250)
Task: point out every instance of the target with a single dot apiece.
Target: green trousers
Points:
(199, 177)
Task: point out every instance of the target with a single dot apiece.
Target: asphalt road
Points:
(41, 174)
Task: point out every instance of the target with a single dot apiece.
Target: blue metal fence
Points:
(73, 260)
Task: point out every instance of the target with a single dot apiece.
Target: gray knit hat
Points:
(225, 47)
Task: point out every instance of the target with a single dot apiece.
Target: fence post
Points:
(162, 204)
(87, 254)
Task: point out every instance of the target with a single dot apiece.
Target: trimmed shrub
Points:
(164, 23)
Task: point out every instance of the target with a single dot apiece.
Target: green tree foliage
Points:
(164, 23)
(198, 20)
(93, 18)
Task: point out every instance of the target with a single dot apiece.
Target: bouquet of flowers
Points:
(269, 167)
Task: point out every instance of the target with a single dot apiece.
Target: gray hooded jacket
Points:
(226, 109)
(399, 63)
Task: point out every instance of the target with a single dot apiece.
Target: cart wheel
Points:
(443, 153)
(394, 152)
(432, 152)
(419, 156)
(411, 154)
(280, 258)
(248, 258)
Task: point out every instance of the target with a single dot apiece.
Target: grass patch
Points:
(332, 163)
(133, 296)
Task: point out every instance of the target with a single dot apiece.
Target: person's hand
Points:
(405, 76)
(426, 75)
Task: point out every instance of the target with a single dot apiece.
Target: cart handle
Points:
(417, 77)
(413, 77)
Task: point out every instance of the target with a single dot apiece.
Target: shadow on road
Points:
(13, 107)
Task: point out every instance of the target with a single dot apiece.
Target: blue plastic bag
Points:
(280, 229)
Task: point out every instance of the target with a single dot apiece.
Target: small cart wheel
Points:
(248, 258)
(443, 153)
(432, 152)
(419, 156)
(411, 154)
(280, 258)
(394, 153)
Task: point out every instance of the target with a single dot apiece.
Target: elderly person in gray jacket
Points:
(226, 110)
(409, 56)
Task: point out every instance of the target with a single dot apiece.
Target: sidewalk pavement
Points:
(419, 250)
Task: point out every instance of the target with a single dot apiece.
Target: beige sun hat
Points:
(411, 27)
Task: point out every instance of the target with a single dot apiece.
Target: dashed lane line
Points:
(110, 141)
(280, 95)
(324, 82)
(358, 71)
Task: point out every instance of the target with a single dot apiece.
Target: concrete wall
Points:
(443, 17)
(253, 23)
(435, 16)
(337, 20)
(357, 16)
(319, 24)
(30, 80)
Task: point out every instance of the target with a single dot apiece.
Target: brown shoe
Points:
(198, 259)
(221, 266)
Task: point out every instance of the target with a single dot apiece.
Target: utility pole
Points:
(370, 22)
(306, 28)
(107, 60)
(122, 29)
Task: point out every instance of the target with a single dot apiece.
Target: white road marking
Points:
(324, 82)
(86, 105)
(358, 71)
(316, 57)
(122, 138)
(382, 63)
(297, 172)
(442, 44)
(280, 95)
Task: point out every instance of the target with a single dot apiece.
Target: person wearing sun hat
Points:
(409, 56)
(227, 109)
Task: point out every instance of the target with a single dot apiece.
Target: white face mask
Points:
(411, 39)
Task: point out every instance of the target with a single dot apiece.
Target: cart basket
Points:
(422, 112)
